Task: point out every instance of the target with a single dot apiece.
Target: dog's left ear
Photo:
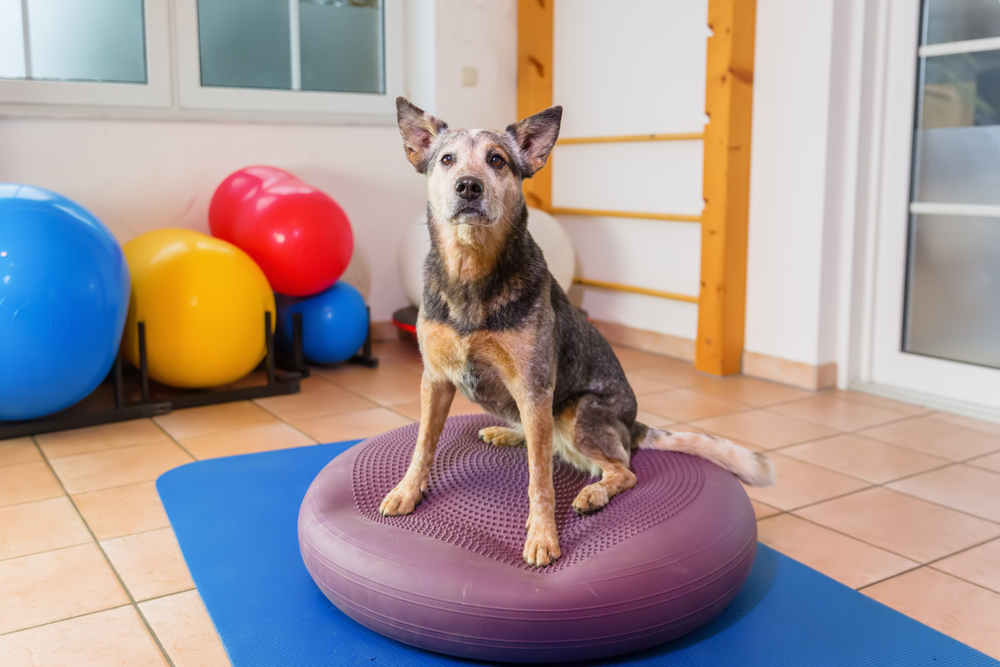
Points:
(535, 136)
(419, 129)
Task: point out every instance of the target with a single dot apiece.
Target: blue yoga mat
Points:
(235, 519)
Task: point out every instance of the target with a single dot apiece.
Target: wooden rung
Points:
(624, 138)
(636, 290)
(676, 217)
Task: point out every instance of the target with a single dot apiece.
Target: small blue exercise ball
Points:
(64, 291)
(334, 323)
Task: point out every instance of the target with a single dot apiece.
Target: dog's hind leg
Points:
(592, 438)
(504, 436)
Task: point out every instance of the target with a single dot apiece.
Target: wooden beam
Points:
(726, 186)
(624, 138)
(534, 82)
(618, 287)
(676, 217)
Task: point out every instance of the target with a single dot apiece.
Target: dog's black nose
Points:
(469, 188)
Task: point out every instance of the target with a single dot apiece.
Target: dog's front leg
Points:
(436, 395)
(542, 545)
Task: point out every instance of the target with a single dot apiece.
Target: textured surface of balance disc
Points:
(659, 561)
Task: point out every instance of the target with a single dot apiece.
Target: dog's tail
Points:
(753, 468)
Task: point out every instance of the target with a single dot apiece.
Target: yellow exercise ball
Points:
(203, 302)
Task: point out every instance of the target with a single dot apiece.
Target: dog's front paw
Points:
(542, 547)
(591, 498)
(401, 500)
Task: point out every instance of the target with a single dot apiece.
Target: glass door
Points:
(937, 305)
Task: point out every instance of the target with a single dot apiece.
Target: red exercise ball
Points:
(298, 235)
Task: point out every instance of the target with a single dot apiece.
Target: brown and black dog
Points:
(495, 325)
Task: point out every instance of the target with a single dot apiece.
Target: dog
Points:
(497, 327)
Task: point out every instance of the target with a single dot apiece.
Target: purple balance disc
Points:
(659, 561)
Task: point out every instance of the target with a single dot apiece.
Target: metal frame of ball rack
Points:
(279, 382)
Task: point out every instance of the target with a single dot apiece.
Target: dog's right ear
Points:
(419, 129)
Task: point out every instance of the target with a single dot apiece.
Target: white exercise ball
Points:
(544, 228)
(555, 244)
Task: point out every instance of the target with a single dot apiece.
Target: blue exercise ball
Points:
(334, 323)
(64, 291)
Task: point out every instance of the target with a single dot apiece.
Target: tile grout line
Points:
(955, 576)
(931, 567)
(174, 440)
(108, 449)
(889, 578)
(44, 551)
(68, 618)
(28, 502)
(882, 486)
(107, 559)
(285, 421)
(98, 611)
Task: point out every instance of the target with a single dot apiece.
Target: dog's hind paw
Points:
(401, 500)
(591, 498)
(502, 436)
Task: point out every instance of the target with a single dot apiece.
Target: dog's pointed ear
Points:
(419, 129)
(535, 136)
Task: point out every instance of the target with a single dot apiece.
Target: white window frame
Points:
(173, 90)
(156, 92)
(193, 95)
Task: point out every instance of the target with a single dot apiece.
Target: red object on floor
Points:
(405, 319)
(297, 234)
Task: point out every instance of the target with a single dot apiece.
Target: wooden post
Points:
(726, 187)
(534, 82)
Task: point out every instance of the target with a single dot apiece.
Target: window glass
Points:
(11, 40)
(961, 90)
(953, 256)
(245, 43)
(958, 20)
(73, 40)
(341, 46)
(954, 289)
(249, 44)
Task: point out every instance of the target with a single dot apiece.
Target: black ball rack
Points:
(129, 393)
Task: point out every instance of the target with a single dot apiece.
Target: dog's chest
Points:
(474, 364)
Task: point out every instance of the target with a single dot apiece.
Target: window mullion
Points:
(26, 40)
(293, 29)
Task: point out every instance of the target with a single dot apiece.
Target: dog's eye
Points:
(496, 161)
(447, 159)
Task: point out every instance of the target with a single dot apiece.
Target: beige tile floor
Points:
(899, 502)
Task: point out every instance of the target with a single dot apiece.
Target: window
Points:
(285, 56)
(291, 55)
(106, 52)
(73, 40)
(953, 277)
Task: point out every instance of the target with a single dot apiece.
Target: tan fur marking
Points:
(470, 251)
(443, 351)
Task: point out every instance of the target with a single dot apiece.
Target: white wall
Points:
(803, 176)
(143, 175)
(635, 67)
(481, 34)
